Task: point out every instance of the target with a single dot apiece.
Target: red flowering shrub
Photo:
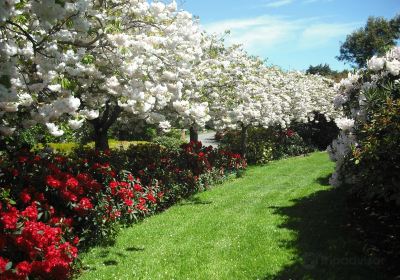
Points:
(178, 173)
(50, 205)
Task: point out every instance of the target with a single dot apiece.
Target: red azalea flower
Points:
(60, 159)
(25, 196)
(23, 269)
(76, 240)
(112, 173)
(151, 198)
(31, 212)
(128, 202)
(85, 204)
(289, 133)
(53, 182)
(113, 184)
(54, 221)
(69, 196)
(22, 159)
(3, 264)
(39, 196)
(72, 182)
(68, 222)
(137, 188)
(9, 219)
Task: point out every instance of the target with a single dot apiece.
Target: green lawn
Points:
(67, 147)
(280, 221)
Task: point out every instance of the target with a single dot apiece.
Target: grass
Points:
(280, 221)
(67, 147)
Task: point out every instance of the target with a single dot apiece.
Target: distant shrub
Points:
(265, 145)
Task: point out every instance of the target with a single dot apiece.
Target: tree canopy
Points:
(375, 38)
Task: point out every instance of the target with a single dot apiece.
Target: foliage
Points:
(172, 140)
(140, 132)
(265, 145)
(326, 71)
(171, 143)
(366, 152)
(318, 133)
(375, 38)
(321, 69)
(376, 158)
(67, 148)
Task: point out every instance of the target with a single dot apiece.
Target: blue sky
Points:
(290, 33)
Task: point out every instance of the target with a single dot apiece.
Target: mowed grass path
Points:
(280, 221)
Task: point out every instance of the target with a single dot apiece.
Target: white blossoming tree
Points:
(92, 61)
(243, 92)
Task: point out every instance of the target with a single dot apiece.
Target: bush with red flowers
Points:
(52, 205)
(178, 173)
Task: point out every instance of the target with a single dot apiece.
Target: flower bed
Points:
(51, 206)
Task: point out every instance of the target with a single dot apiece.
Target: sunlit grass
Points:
(280, 221)
(67, 147)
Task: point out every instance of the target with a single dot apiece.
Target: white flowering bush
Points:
(133, 61)
(256, 95)
(93, 61)
(367, 150)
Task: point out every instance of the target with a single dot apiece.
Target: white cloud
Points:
(320, 34)
(277, 3)
(267, 32)
(315, 1)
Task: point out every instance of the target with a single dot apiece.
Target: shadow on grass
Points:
(193, 201)
(323, 246)
(324, 181)
(134, 249)
(110, 263)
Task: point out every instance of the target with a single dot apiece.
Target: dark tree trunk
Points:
(194, 134)
(101, 139)
(243, 141)
(102, 124)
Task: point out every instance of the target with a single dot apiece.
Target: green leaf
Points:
(88, 59)
(9, 265)
(65, 83)
(5, 80)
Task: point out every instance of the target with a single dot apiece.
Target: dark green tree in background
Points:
(321, 69)
(375, 38)
(326, 71)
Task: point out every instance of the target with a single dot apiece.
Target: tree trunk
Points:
(243, 142)
(102, 124)
(101, 139)
(194, 135)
